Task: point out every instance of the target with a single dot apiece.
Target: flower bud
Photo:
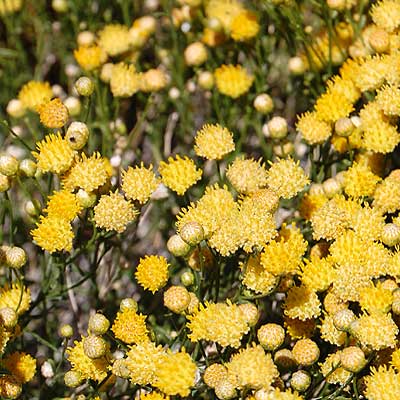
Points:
(214, 374)
(27, 167)
(106, 72)
(225, 390)
(8, 317)
(300, 381)
(85, 199)
(284, 359)
(250, 312)
(174, 93)
(84, 86)
(60, 6)
(271, 336)
(176, 299)
(296, 66)
(8, 165)
(73, 105)
(120, 368)
(331, 187)
(277, 128)
(352, 359)
(306, 352)
(86, 38)
(77, 135)
(194, 303)
(4, 183)
(177, 247)
(342, 319)
(128, 304)
(344, 127)
(15, 257)
(72, 378)
(338, 5)
(187, 278)
(199, 259)
(47, 370)
(98, 324)
(195, 54)
(379, 40)
(15, 108)
(284, 149)
(206, 80)
(390, 234)
(214, 24)
(263, 103)
(316, 189)
(66, 331)
(192, 233)
(94, 346)
(11, 388)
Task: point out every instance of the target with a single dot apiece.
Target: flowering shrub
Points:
(200, 199)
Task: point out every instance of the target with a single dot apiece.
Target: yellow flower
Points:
(125, 81)
(371, 73)
(89, 58)
(310, 203)
(142, 362)
(298, 329)
(386, 14)
(256, 278)
(53, 113)
(224, 10)
(8, 7)
(331, 106)
(277, 394)
(247, 176)
(89, 368)
(252, 368)
(360, 181)
(179, 174)
(153, 80)
(313, 130)
(383, 383)
(330, 333)
(114, 39)
(380, 137)
(22, 366)
(16, 297)
(332, 370)
(139, 183)
(223, 323)
(152, 272)
(113, 212)
(302, 303)
(130, 327)
(88, 173)
(62, 205)
(176, 374)
(213, 142)
(244, 26)
(318, 274)
(387, 194)
(376, 299)
(153, 396)
(388, 99)
(233, 81)
(54, 154)
(34, 93)
(286, 178)
(53, 234)
(377, 331)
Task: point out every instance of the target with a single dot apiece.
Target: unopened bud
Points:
(84, 86)
(8, 165)
(15, 108)
(177, 247)
(206, 80)
(66, 331)
(98, 324)
(300, 381)
(192, 233)
(187, 278)
(28, 167)
(77, 135)
(94, 346)
(72, 379)
(8, 317)
(277, 128)
(344, 127)
(128, 304)
(15, 257)
(263, 103)
(85, 199)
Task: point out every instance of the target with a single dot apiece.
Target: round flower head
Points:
(318, 274)
(94, 346)
(177, 299)
(306, 352)
(192, 233)
(179, 174)
(244, 26)
(376, 299)
(223, 323)
(53, 234)
(300, 381)
(252, 368)
(195, 54)
(330, 333)
(62, 205)
(332, 370)
(247, 176)
(77, 135)
(124, 80)
(152, 272)
(9, 387)
(177, 247)
(382, 383)
(287, 178)
(7, 8)
(98, 324)
(34, 93)
(271, 336)
(352, 359)
(8, 165)
(153, 80)
(213, 142)
(89, 57)
(53, 113)
(313, 130)
(84, 86)
(224, 11)
(233, 81)
(88, 368)
(142, 362)
(153, 396)
(114, 39)
(388, 99)
(214, 374)
(113, 212)
(22, 366)
(88, 173)
(130, 327)
(360, 181)
(54, 154)
(139, 183)
(386, 14)
(183, 377)
(302, 303)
